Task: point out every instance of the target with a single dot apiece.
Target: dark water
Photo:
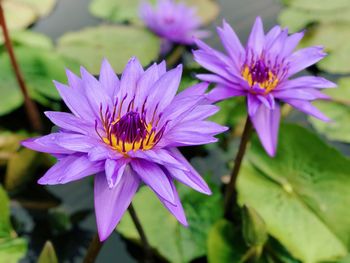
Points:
(71, 15)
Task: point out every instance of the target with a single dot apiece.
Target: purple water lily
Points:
(261, 71)
(173, 21)
(126, 132)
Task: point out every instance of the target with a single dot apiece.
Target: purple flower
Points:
(261, 71)
(126, 132)
(172, 21)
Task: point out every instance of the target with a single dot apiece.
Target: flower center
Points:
(130, 131)
(260, 74)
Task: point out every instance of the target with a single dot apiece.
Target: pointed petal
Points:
(256, 39)
(70, 168)
(304, 58)
(108, 79)
(69, 122)
(46, 144)
(114, 171)
(252, 104)
(266, 124)
(306, 82)
(176, 209)
(111, 204)
(308, 108)
(221, 92)
(155, 178)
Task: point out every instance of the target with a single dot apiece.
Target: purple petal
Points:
(304, 58)
(306, 82)
(201, 112)
(221, 92)
(76, 142)
(298, 94)
(103, 152)
(190, 178)
(256, 39)
(115, 170)
(232, 44)
(70, 168)
(252, 104)
(69, 122)
(108, 79)
(308, 108)
(155, 178)
(266, 123)
(111, 204)
(46, 144)
(175, 208)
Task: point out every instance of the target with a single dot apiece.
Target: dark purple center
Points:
(130, 128)
(260, 72)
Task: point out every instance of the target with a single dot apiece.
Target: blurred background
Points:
(50, 35)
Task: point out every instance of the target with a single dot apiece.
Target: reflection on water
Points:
(73, 15)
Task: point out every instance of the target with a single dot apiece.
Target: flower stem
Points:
(230, 193)
(93, 250)
(32, 110)
(146, 246)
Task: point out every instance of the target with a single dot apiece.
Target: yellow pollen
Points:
(268, 85)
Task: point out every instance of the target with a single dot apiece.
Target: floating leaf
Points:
(20, 14)
(338, 111)
(315, 5)
(48, 254)
(30, 39)
(39, 68)
(121, 10)
(116, 43)
(300, 194)
(172, 240)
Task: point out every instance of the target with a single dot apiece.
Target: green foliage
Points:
(254, 227)
(122, 11)
(300, 194)
(22, 13)
(116, 43)
(172, 240)
(224, 243)
(11, 247)
(48, 254)
(331, 25)
(338, 111)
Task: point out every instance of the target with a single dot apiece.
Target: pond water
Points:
(70, 15)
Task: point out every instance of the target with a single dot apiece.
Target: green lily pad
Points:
(338, 111)
(116, 43)
(20, 14)
(39, 67)
(300, 194)
(122, 11)
(30, 38)
(316, 5)
(48, 254)
(173, 241)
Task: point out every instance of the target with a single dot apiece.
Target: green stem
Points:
(230, 193)
(93, 250)
(31, 109)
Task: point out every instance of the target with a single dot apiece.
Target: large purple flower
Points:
(261, 71)
(126, 132)
(172, 21)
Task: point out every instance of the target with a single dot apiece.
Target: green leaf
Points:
(12, 250)
(173, 241)
(224, 243)
(20, 167)
(338, 111)
(121, 11)
(5, 225)
(254, 227)
(31, 39)
(116, 43)
(300, 194)
(39, 67)
(20, 14)
(48, 254)
(315, 5)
